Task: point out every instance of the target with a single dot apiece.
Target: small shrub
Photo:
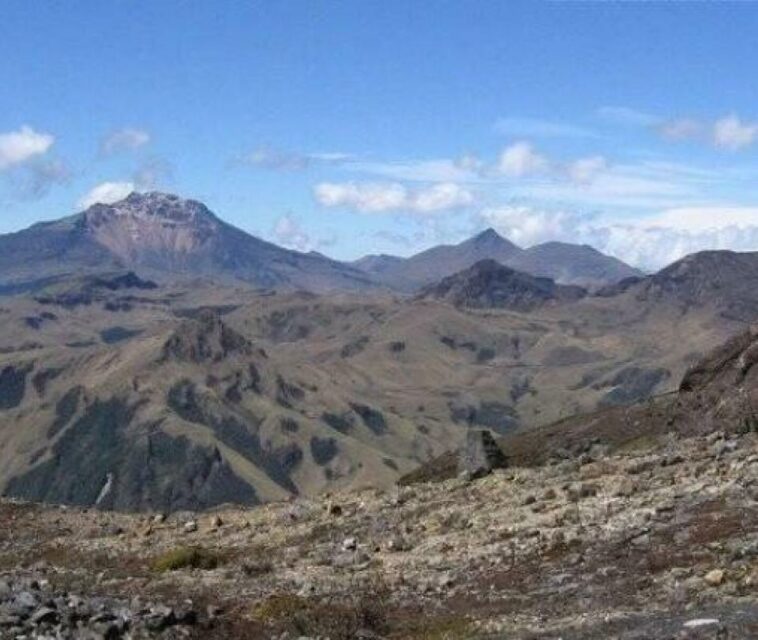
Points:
(278, 607)
(186, 558)
(334, 619)
(445, 629)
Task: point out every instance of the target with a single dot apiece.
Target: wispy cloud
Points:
(372, 197)
(152, 173)
(729, 133)
(732, 134)
(126, 139)
(278, 160)
(537, 128)
(41, 175)
(627, 116)
(288, 232)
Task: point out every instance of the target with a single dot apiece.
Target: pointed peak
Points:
(488, 234)
(491, 239)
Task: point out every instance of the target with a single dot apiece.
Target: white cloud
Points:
(681, 129)
(278, 160)
(585, 170)
(520, 160)
(703, 219)
(729, 133)
(106, 193)
(127, 139)
(526, 225)
(288, 232)
(365, 197)
(732, 134)
(469, 162)
(651, 242)
(372, 197)
(441, 197)
(17, 147)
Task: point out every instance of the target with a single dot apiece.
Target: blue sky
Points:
(361, 127)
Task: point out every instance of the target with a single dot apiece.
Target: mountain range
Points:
(164, 235)
(140, 370)
(568, 264)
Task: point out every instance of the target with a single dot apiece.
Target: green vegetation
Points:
(186, 558)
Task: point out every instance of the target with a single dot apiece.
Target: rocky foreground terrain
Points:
(651, 540)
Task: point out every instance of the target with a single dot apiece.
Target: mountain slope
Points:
(164, 234)
(572, 264)
(565, 263)
(725, 279)
(490, 285)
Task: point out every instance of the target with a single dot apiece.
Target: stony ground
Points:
(651, 543)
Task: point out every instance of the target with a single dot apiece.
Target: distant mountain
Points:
(572, 264)
(564, 263)
(489, 285)
(722, 281)
(164, 234)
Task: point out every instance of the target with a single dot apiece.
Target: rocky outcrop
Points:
(721, 391)
(205, 338)
(490, 285)
(480, 454)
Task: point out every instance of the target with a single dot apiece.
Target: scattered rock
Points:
(480, 454)
(715, 577)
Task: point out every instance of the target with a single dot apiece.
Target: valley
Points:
(164, 389)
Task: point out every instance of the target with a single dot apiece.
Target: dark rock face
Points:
(129, 280)
(721, 391)
(42, 377)
(344, 422)
(323, 450)
(372, 418)
(237, 433)
(490, 285)
(631, 384)
(65, 409)
(494, 415)
(13, 385)
(95, 462)
(480, 454)
(112, 335)
(205, 339)
(287, 393)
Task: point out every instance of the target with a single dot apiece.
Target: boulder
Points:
(480, 454)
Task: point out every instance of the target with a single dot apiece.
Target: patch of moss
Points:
(283, 606)
(186, 558)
